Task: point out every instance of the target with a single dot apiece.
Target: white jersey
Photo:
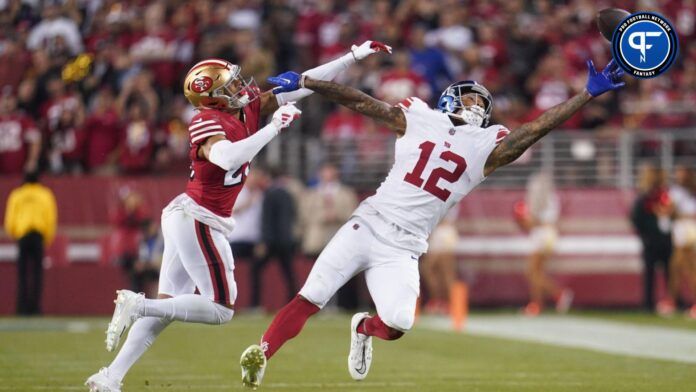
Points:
(436, 165)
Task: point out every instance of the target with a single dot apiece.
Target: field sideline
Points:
(54, 354)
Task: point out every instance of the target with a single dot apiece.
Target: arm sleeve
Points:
(326, 71)
(229, 155)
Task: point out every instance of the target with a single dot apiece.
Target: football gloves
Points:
(291, 81)
(608, 79)
(285, 115)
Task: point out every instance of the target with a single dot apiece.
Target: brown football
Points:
(608, 19)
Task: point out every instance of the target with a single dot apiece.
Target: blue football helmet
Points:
(450, 102)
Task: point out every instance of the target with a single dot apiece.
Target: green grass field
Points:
(58, 354)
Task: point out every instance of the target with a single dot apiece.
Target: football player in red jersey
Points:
(224, 137)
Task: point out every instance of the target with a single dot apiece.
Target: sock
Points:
(374, 326)
(191, 308)
(140, 337)
(287, 324)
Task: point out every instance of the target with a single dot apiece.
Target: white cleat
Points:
(125, 314)
(253, 363)
(100, 382)
(360, 356)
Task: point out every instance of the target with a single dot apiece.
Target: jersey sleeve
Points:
(411, 104)
(493, 136)
(202, 127)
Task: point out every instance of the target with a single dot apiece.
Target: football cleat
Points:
(126, 312)
(253, 363)
(565, 299)
(100, 382)
(360, 356)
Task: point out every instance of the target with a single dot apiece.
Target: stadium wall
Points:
(597, 255)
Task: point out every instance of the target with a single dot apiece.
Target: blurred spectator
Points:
(135, 150)
(145, 273)
(323, 210)
(543, 207)
(429, 61)
(55, 32)
(103, 131)
(20, 140)
(155, 45)
(683, 199)
(14, 61)
(278, 217)
(66, 150)
(650, 217)
(439, 265)
(247, 215)
(30, 218)
(401, 82)
(131, 219)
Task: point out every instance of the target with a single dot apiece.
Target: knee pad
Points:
(224, 314)
(316, 291)
(401, 320)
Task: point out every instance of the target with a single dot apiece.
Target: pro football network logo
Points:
(645, 44)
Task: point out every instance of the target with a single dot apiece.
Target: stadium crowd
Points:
(95, 86)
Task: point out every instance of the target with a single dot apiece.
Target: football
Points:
(608, 19)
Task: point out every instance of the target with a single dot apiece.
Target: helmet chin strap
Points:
(472, 115)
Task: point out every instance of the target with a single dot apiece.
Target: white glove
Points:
(369, 47)
(285, 115)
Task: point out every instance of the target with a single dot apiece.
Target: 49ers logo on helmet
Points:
(201, 84)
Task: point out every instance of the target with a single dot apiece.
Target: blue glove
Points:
(286, 82)
(608, 79)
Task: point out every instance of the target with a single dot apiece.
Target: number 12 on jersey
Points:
(415, 177)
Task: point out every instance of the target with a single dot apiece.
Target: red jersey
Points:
(16, 131)
(209, 185)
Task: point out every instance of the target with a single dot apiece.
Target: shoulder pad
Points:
(412, 103)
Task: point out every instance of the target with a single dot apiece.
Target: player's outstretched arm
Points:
(349, 97)
(519, 140)
(362, 103)
(230, 155)
(271, 99)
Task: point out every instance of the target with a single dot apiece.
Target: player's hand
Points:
(608, 79)
(369, 47)
(285, 115)
(286, 82)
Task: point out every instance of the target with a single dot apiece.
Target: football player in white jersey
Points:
(441, 155)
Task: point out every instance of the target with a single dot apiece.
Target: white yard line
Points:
(604, 336)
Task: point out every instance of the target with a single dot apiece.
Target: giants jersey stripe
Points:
(206, 129)
(197, 125)
(502, 133)
(205, 135)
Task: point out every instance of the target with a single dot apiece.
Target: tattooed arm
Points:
(519, 140)
(362, 103)
(525, 136)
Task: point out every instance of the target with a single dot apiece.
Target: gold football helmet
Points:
(217, 84)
